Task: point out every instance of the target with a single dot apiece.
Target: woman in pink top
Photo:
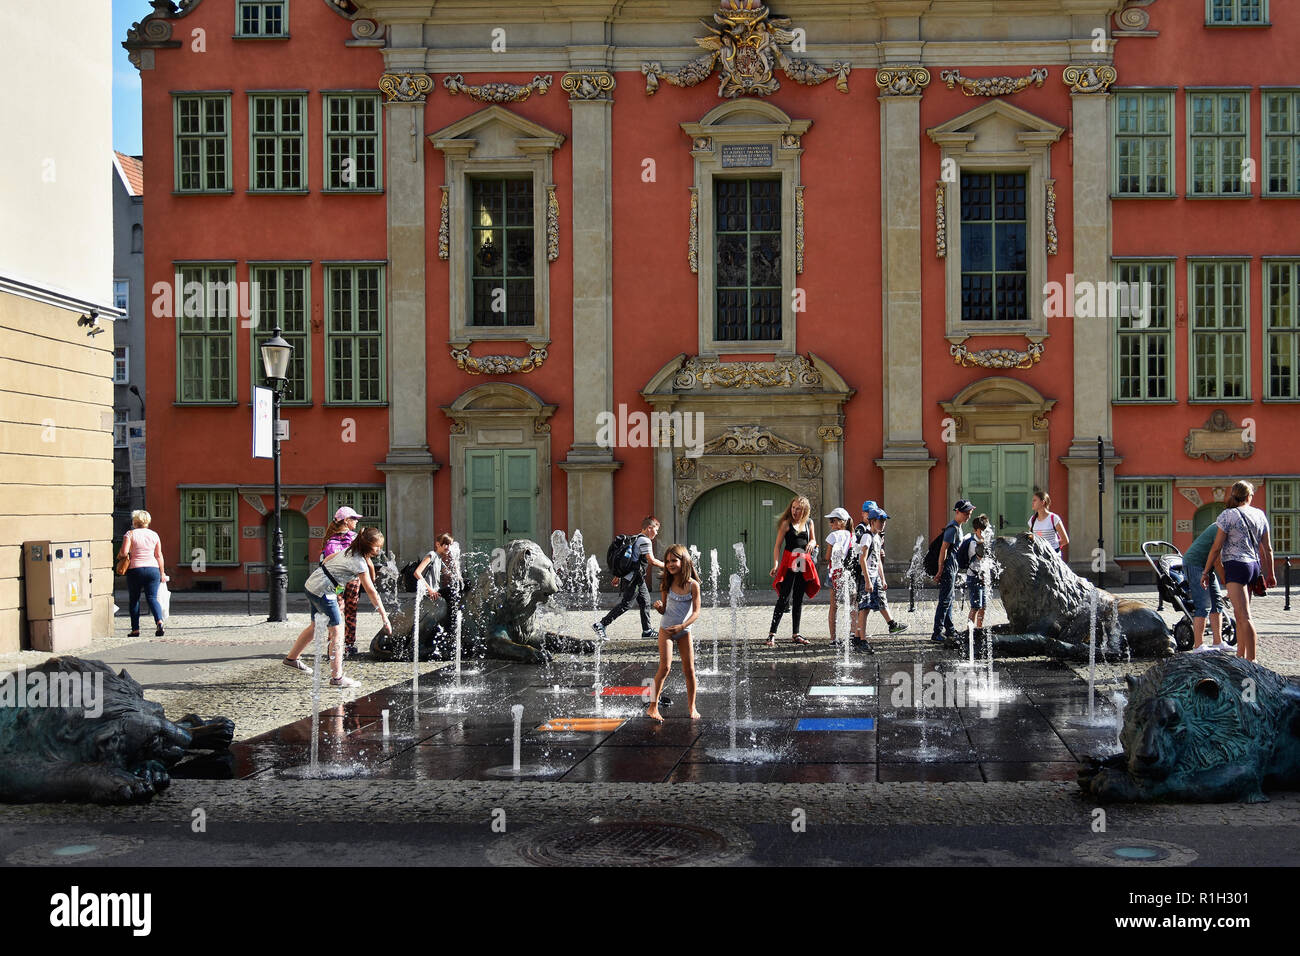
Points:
(339, 535)
(145, 571)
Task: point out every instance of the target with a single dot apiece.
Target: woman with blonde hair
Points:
(144, 571)
(1243, 544)
(679, 603)
(794, 566)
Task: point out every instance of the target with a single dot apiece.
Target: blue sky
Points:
(126, 80)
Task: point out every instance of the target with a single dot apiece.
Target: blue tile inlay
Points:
(836, 723)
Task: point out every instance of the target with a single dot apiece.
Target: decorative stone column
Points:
(409, 466)
(590, 468)
(1089, 94)
(906, 461)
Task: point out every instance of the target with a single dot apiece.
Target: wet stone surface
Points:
(868, 724)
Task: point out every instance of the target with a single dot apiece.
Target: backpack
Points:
(621, 558)
(965, 552)
(932, 556)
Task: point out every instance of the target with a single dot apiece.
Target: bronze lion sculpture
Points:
(1204, 727)
(91, 736)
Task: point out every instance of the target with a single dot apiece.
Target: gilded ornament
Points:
(499, 364)
(902, 80)
(405, 87)
(993, 85)
(594, 85)
(1089, 77)
(552, 225)
(997, 358)
(497, 92)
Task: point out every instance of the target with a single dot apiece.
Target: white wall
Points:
(56, 204)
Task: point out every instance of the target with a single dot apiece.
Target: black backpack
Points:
(965, 552)
(621, 558)
(932, 556)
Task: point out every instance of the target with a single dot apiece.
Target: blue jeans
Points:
(146, 580)
(1204, 602)
(943, 613)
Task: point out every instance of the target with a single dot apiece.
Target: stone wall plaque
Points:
(1219, 439)
(254, 531)
(1183, 526)
(746, 154)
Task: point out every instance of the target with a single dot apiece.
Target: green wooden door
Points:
(737, 512)
(501, 492)
(999, 481)
(296, 540)
(1205, 516)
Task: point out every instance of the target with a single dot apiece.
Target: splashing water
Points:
(694, 552)
(1120, 700)
(713, 578)
(593, 581)
(735, 591)
(453, 566)
(1092, 654)
(739, 548)
(315, 695)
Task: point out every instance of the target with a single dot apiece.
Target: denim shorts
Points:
(978, 594)
(1204, 601)
(872, 600)
(1240, 572)
(327, 604)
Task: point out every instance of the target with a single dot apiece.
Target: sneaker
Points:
(897, 627)
(344, 682)
(937, 638)
(350, 652)
(650, 635)
(296, 664)
(600, 631)
(863, 646)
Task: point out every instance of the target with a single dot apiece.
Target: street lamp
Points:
(276, 353)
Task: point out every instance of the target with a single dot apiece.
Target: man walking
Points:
(943, 628)
(634, 582)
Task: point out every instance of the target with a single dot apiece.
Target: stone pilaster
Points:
(590, 468)
(1092, 354)
(906, 461)
(409, 466)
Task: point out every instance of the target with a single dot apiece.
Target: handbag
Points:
(338, 588)
(122, 563)
(1256, 585)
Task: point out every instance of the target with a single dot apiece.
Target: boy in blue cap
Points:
(943, 628)
(872, 564)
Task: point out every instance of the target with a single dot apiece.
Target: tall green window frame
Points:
(994, 246)
(1284, 515)
(1219, 330)
(205, 334)
(208, 519)
(1282, 330)
(1218, 132)
(370, 502)
(262, 18)
(1144, 345)
(353, 133)
(354, 334)
(277, 142)
(201, 124)
(283, 297)
(504, 261)
(1221, 13)
(1144, 142)
(1281, 142)
(1142, 514)
(747, 257)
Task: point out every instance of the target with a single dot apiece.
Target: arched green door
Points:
(296, 536)
(744, 512)
(1206, 516)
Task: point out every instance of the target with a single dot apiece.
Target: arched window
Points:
(137, 238)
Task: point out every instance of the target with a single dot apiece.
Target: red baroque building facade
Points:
(842, 248)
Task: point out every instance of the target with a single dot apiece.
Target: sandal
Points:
(771, 641)
(799, 640)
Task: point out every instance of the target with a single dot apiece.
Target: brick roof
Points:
(132, 168)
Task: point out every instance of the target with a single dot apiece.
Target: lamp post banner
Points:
(262, 418)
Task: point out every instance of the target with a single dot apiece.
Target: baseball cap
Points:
(841, 514)
(869, 506)
(346, 512)
(963, 505)
(880, 513)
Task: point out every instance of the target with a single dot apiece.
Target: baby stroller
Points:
(1172, 586)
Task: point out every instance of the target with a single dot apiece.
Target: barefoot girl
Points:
(680, 605)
